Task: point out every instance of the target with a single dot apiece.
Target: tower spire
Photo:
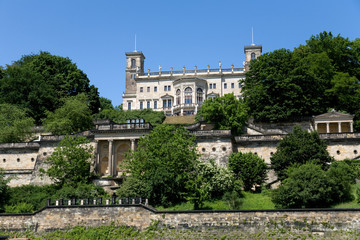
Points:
(252, 36)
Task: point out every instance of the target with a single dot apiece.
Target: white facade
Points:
(180, 92)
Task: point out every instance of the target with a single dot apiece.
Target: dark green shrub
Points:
(131, 187)
(233, 200)
(249, 168)
(81, 191)
(21, 207)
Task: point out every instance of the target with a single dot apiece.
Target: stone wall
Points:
(141, 216)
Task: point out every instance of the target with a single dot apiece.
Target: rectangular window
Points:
(141, 89)
(214, 86)
(210, 86)
(129, 105)
(148, 104)
(155, 104)
(239, 85)
(169, 103)
(155, 89)
(164, 103)
(169, 88)
(232, 85)
(225, 85)
(141, 105)
(148, 89)
(165, 88)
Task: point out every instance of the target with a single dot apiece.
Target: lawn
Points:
(252, 200)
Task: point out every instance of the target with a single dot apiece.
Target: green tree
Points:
(4, 190)
(15, 125)
(249, 168)
(70, 162)
(38, 82)
(299, 147)
(74, 116)
(281, 85)
(310, 186)
(225, 112)
(163, 163)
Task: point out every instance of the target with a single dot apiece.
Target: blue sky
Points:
(96, 34)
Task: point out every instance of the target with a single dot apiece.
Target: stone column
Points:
(316, 126)
(111, 157)
(97, 156)
(327, 127)
(351, 127)
(132, 144)
(339, 127)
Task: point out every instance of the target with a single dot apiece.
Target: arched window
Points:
(188, 95)
(253, 56)
(178, 97)
(133, 63)
(199, 96)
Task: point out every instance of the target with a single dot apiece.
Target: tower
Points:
(134, 66)
(251, 52)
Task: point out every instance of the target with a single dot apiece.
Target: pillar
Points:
(316, 126)
(351, 127)
(339, 127)
(111, 157)
(97, 156)
(327, 127)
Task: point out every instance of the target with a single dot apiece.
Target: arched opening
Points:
(199, 96)
(178, 97)
(253, 56)
(188, 95)
(133, 63)
(120, 156)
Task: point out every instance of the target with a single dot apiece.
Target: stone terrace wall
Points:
(140, 216)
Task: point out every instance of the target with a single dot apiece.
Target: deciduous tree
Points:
(15, 125)
(225, 112)
(38, 82)
(299, 147)
(70, 162)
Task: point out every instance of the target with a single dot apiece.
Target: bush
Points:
(21, 207)
(309, 186)
(299, 147)
(4, 190)
(35, 196)
(233, 200)
(218, 179)
(81, 191)
(131, 187)
(249, 168)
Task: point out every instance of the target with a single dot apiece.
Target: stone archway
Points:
(121, 150)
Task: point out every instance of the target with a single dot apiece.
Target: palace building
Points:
(180, 92)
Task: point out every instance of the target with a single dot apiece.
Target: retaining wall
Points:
(141, 216)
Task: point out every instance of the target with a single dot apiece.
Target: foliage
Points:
(225, 112)
(4, 190)
(70, 162)
(21, 207)
(299, 147)
(15, 125)
(80, 191)
(218, 180)
(197, 191)
(309, 186)
(163, 162)
(72, 117)
(105, 103)
(120, 116)
(233, 200)
(131, 187)
(283, 85)
(249, 168)
(39, 82)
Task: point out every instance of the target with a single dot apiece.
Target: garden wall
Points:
(141, 216)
